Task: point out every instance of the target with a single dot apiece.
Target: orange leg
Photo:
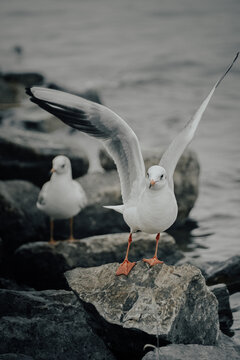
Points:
(154, 260)
(52, 241)
(126, 266)
(71, 231)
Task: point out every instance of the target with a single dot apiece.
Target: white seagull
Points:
(61, 197)
(149, 203)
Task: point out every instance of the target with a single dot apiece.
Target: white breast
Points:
(61, 200)
(154, 212)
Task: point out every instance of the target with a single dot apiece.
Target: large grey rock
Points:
(224, 311)
(186, 177)
(42, 265)
(226, 349)
(28, 155)
(21, 221)
(185, 311)
(47, 325)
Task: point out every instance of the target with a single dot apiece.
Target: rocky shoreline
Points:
(64, 301)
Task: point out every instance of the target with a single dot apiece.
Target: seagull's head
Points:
(61, 165)
(156, 177)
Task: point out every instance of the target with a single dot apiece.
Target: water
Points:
(153, 62)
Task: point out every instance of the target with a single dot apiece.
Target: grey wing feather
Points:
(42, 195)
(174, 151)
(81, 195)
(98, 121)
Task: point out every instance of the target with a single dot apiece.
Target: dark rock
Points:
(225, 350)
(15, 357)
(25, 79)
(122, 308)
(235, 307)
(42, 265)
(227, 272)
(28, 155)
(11, 284)
(185, 178)
(224, 311)
(21, 221)
(9, 95)
(47, 325)
(219, 272)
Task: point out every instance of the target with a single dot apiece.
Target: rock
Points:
(227, 272)
(224, 311)
(185, 310)
(25, 79)
(15, 357)
(226, 349)
(8, 95)
(28, 155)
(235, 307)
(47, 325)
(185, 178)
(218, 272)
(21, 221)
(42, 265)
(11, 284)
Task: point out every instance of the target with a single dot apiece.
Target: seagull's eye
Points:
(161, 177)
(63, 166)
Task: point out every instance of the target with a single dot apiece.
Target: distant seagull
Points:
(149, 202)
(61, 197)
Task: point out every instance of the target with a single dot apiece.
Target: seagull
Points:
(61, 197)
(149, 203)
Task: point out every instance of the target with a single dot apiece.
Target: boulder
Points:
(28, 155)
(235, 307)
(218, 272)
(42, 265)
(226, 349)
(129, 311)
(47, 325)
(224, 311)
(227, 272)
(185, 177)
(26, 79)
(8, 95)
(21, 221)
(10, 356)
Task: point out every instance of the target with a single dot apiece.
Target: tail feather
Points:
(117, 208)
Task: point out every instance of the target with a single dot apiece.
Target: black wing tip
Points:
(28, 91)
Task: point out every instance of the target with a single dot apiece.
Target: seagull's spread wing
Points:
(98, 121)
(174, 151)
